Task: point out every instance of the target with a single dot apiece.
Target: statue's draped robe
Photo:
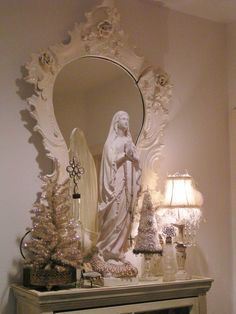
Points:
(119, 186)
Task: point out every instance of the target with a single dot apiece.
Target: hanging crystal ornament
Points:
(75, 171)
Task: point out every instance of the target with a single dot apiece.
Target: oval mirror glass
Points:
(88, 92)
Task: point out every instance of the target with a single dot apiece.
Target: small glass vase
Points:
(147, 267)
(148, 274)
(169, 261)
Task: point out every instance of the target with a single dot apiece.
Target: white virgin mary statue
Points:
(118, 190)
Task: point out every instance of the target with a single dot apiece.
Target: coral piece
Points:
(111, 269)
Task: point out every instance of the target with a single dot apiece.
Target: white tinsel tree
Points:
(54, 242)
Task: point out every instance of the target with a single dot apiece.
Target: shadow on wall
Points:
(25, 91)
(8, 305)
(196, 262)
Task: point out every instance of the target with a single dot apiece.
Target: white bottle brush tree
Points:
(54, 242)
(147, 240)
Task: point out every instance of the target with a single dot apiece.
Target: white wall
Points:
(192, 51)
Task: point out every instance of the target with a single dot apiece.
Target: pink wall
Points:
(193, 52)
(231, 45)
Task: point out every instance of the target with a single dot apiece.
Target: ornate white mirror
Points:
(100, 36)
(85, 82)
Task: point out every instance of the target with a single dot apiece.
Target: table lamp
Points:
(181, 208)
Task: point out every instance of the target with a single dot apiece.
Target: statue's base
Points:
(113, 282)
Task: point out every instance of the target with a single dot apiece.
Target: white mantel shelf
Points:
(87, 300)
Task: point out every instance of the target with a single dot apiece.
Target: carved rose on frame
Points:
(105, 28)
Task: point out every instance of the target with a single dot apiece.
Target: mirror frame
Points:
(101, 36)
